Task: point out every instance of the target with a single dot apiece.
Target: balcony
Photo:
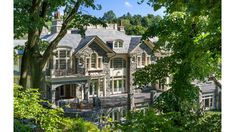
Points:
(62, 72)
(117, 71)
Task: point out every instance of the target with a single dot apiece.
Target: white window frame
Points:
(140, 61)
(118, 44)
(118, 91)
(211, 104)
(67, 58)
(97, 61)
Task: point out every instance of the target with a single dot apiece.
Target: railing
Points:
(62, 72)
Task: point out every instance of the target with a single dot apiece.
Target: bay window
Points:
(62, 59)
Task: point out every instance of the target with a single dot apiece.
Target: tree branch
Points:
(61, 34)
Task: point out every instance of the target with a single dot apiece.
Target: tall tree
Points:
(109, 16)
(31, 16)
(191, 34)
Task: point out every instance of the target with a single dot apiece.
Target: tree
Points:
(109, 17)
(31, 16)
(135, 30)
(30, 113)
(191, 34)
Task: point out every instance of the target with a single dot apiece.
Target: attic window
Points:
(118, 44)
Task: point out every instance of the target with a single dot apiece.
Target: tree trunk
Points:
(24, 68)
(36, 73)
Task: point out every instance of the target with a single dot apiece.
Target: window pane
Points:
(99, 62)
(68, 63)
(117, 62)
(120, 44)
(88, 63)
(62, 53)
(68, 53)
(93, 60)
(211, 102)
(206, 102)
(115, 85)
(143, 58)
(138, 61)
(62, 64)
(116, 44)
(120, 85)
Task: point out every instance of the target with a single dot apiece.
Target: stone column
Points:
(77, 90)
(53, 94)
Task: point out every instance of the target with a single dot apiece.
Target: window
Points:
(93, 60)
(119, 85)
(207, 101)
(88, 63)
(115, 86)
(118, 44)
(143, 59)
(99, 62)
(138, 61)
(118, 63)
(62, 59)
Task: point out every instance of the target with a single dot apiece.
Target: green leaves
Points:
(28, 106)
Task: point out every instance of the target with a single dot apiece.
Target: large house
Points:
(96, 70)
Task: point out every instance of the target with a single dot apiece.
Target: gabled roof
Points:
(134, 42)
(87, 40)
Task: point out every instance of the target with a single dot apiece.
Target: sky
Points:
(121, 7)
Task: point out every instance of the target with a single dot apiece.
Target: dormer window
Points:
(118, 44)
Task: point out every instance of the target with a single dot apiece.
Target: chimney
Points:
(56, 23)
(121, 27)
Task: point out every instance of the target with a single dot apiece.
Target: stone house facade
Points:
(99, 65)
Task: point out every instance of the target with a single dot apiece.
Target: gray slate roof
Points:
(207, 87)
(75, 41)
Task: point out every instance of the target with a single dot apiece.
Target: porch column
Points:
(82, 91)
(53, 92)
(77, 90)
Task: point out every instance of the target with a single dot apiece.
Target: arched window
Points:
(93, 60)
